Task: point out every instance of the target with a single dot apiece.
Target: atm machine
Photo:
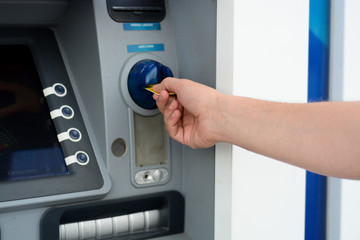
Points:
(83, 149)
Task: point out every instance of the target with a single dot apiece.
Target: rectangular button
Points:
(136, 222)
(104, 227)
(141, 26)
(121, 224)
(145, 48)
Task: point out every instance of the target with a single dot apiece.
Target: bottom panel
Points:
(142, 217)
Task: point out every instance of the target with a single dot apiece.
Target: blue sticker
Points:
(141, 26)
(145, 47)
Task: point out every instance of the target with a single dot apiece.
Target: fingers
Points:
(172, 111)
(169, 84)
(174, 126)
(166, 104)
(162, 100)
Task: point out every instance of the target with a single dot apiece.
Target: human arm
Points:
(320, 137)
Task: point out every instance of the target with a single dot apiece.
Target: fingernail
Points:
(171, 106)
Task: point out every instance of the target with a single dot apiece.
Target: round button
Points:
(60, 89)
(67, 112)
(148, 177)
(142, 74)
(74, 134)
(82, 157)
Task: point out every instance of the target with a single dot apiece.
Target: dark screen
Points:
(28, 143)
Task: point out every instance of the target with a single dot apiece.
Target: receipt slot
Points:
(150, 141)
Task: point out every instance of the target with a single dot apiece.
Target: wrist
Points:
(221, 119)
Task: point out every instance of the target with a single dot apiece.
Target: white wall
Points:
(344, 195)
(223, 152)
(268, 61)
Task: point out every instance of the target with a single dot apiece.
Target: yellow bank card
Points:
(150, 89)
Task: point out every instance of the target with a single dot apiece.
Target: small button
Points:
(87, 229)
(82, 157)
(136, 221)
(71, 134)
(64, 111)
(104, 227)
(67, 112)
(121, 224)
(74, 134)
(59, 89)
(71, 231)
(152, 219)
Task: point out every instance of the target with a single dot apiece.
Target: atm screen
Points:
(28, 141)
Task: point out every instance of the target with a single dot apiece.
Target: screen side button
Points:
(71, 134)
(64, 111)
(74, 134)
(58, 89)
(80, 157)
(67, 111)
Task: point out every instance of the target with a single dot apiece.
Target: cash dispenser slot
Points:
(142, 217)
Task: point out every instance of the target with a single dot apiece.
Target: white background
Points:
(270, 50)
(344, 195)
(262, 52)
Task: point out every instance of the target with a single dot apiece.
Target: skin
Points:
(321, 137)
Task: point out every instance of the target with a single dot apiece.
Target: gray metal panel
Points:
(113, 41)
(195, 37)
(31, 12)
(93, 47)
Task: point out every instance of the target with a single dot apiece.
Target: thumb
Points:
(169, 84)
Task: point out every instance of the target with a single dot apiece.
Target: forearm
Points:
(320, 137)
